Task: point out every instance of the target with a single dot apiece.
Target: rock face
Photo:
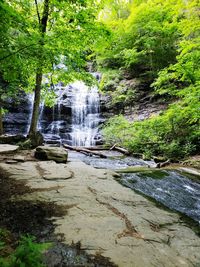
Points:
(131, 97)
(57, 124)
(17, 119)
(11, 139)
(57, 154)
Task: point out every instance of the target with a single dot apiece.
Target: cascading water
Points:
(74, 118)
(85, 114)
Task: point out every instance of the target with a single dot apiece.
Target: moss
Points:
(155, 174)
(133, 169)
(195, 163)
(195, 178)
(144, 172)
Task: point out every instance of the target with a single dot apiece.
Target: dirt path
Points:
(104, 217)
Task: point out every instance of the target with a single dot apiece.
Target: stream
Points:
(169, 187)
(174, 189)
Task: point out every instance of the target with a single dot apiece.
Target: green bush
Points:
(110, 79)
(170, 134)
(27, 254)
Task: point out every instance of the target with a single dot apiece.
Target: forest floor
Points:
(91, 218)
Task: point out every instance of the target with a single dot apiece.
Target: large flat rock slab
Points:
(38, 171)
(6, 149)
(107, 218)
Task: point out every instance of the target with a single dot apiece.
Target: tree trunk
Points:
(85, 151)
(38, 82)
(1, 121)
(36, 105)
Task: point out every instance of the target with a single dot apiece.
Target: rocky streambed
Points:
(92, 219)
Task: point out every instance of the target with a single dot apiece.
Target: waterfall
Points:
(85, 114)
(74, 119)
(40, 116)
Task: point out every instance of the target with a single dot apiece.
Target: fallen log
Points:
(84, 150)
(120, 149)
(163, 164)
(113, 147)
(97, 148)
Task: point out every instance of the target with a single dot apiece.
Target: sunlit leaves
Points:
(161, 38)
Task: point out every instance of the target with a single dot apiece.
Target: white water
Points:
(85, 114)
(84, 104)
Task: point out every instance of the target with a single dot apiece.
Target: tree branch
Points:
(38, 14)
(11, 54)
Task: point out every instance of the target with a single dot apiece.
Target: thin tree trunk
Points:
(36, 105)
(1, 121)
(85, 150)
(38, 84)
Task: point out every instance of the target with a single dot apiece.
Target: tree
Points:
(175, 133)
(12, 63)
(146, 40)
(38, 80)
(53, 30)
(73, 21)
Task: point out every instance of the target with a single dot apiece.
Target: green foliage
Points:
(146, 39)
(36, 36)
(161, 40)
(109, 80)
(27, 254)
(171, 134)
(122, 92)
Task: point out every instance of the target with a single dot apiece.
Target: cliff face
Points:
(132, 97)
(18, 113)
(73, 118)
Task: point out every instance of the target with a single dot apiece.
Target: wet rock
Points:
(5, 148)
(17, 118)
(57, 154)
(12, 139)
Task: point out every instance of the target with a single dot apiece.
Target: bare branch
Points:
(38, 14)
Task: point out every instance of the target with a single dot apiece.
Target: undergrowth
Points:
(28, 253)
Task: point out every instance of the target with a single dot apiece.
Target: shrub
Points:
(27, 254)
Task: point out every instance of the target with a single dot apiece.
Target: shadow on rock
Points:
(23, 217)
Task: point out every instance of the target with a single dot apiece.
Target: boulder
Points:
(57, 154)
